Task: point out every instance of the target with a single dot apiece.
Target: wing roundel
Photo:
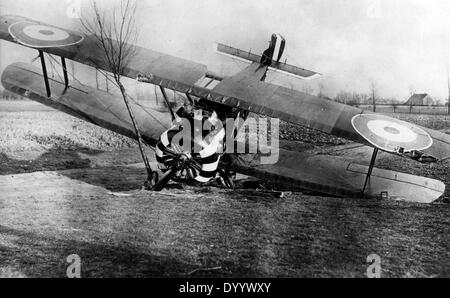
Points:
(390, 134)
(35, 35)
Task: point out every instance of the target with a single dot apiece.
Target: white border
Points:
(384, 149)
(41, 47)
(315, 75)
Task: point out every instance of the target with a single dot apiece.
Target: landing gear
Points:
(226, 178)
(186, 164)
(369, 172)
(151, 181)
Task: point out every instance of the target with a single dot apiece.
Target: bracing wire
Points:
(54, 70)
(95, 97)
(105, 74)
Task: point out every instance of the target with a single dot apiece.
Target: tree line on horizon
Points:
(360, 99)
(345, 97)
(8, 95)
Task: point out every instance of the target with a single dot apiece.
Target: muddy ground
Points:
(71, 194)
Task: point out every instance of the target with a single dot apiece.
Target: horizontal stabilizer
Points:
(274, 65)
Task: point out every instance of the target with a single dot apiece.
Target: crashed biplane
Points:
(228, 97)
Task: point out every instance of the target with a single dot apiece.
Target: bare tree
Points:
(321, 89)
(412, 90)
(343, 97)
(448, 86)
(115, 33)
(307, 89)
(373, 93)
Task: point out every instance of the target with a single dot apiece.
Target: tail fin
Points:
(271, 57)
(275, 50)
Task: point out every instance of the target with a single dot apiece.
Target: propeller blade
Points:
(164, 180)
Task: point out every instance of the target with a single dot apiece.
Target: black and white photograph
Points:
(240, 142)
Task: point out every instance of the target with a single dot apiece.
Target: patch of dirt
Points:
(124, 232)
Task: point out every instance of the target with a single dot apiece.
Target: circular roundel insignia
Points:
(390, 134)
(43, 36)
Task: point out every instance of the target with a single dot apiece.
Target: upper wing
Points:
(331, 117)
(238, 91)
(84, 49)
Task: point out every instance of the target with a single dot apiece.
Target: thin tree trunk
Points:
(448, 85)
(373, 102)
(113, 32)
(136, 129)
(96, 77)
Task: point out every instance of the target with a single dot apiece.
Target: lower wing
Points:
(338, 176)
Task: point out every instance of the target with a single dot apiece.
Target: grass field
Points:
(26, 125)
(44, 129)
(437, 122)
(74, 207)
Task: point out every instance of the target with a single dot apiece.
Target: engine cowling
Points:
(200, 166)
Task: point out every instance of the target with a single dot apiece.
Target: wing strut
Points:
(66, 77)
(190, 99)
(44, 72)
(369, 173)
(163, 91)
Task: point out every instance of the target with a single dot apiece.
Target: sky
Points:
(400, 45)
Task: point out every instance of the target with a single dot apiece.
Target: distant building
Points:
(420, 100)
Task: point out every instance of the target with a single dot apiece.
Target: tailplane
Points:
(270, 57)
